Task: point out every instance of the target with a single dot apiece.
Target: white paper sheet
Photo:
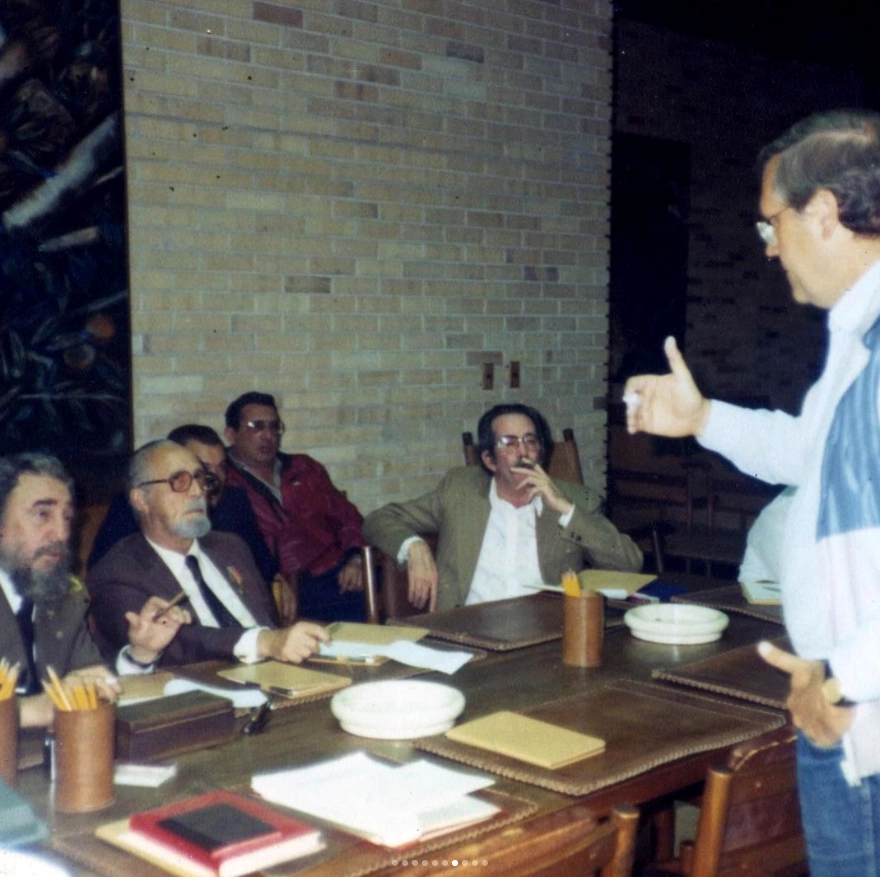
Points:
(386, 803)
(406, 652)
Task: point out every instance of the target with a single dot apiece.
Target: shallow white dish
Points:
(397, 709)
(676, 623)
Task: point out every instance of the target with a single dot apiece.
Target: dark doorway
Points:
(649, 251)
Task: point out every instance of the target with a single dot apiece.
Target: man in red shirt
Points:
(311, 528)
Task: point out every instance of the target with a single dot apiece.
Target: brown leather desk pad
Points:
(206, 673)
(739, 673)
(643, 725)
(501, 625)
(344, 856)
(731, 599)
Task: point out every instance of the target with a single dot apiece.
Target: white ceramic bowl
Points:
(397, 709)
(676, 623)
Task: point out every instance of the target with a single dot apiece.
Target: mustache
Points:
(59, 547)
(197, 504)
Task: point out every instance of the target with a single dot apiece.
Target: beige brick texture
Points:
(355, 205)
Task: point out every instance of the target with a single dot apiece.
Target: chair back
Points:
(565, 843)
(386, 585)
(564, 463)
(750, 821)
(87, 522)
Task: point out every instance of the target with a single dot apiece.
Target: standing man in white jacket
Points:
(820, 216)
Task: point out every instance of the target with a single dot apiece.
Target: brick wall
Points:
(744, 335)
(354, 205)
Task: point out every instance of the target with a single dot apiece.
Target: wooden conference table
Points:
(661, 734)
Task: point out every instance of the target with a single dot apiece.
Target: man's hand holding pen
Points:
(151, 629)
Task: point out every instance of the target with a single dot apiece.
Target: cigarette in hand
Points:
(632, 401)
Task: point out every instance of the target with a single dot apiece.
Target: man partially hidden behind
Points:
(232, 609)
(503, 527)
(43, 608)
(309, 525)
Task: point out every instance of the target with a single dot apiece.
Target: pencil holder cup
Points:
(583, 629)
(9, 740)
(84, 740)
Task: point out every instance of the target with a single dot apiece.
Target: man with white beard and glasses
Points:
(43, 608)
(175, 550)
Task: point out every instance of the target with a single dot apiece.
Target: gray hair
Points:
(139, 469)
(838, 150)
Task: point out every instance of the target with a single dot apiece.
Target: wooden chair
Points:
(87, 522)
(386, 585)
(699, 537)
(566, 843)
(750, 822)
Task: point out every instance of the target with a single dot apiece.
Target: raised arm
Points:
(669, 405)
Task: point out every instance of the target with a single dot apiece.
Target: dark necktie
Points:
(224, 617)
(29, 684)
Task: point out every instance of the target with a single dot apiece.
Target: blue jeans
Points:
(841, 823)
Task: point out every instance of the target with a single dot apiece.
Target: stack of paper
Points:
(387, 804)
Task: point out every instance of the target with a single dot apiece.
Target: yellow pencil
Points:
(79, 697)
(571, 585)
(60, 688)
(92, 694)
(53, 697)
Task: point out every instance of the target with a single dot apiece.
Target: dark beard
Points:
(48, 587)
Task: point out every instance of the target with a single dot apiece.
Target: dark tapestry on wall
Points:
(65, 360)
(649, 252)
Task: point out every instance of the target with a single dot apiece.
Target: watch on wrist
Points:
(831, 689)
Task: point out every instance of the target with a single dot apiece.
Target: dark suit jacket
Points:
(60, 632)
(132, 572)
(232, 514)
(458, 512)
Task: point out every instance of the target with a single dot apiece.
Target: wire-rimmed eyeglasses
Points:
(528, 442)
(766, 228)
(276, 427)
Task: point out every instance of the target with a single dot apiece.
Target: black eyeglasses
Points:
(180, 482)
(274, 426)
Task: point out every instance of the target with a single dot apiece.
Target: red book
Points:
(225, 833)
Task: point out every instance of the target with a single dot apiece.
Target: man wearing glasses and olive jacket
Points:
(502, 527)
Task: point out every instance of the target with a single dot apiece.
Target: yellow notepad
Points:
(527, 739)
(287, 679)
(614, 580)
(374, 634)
